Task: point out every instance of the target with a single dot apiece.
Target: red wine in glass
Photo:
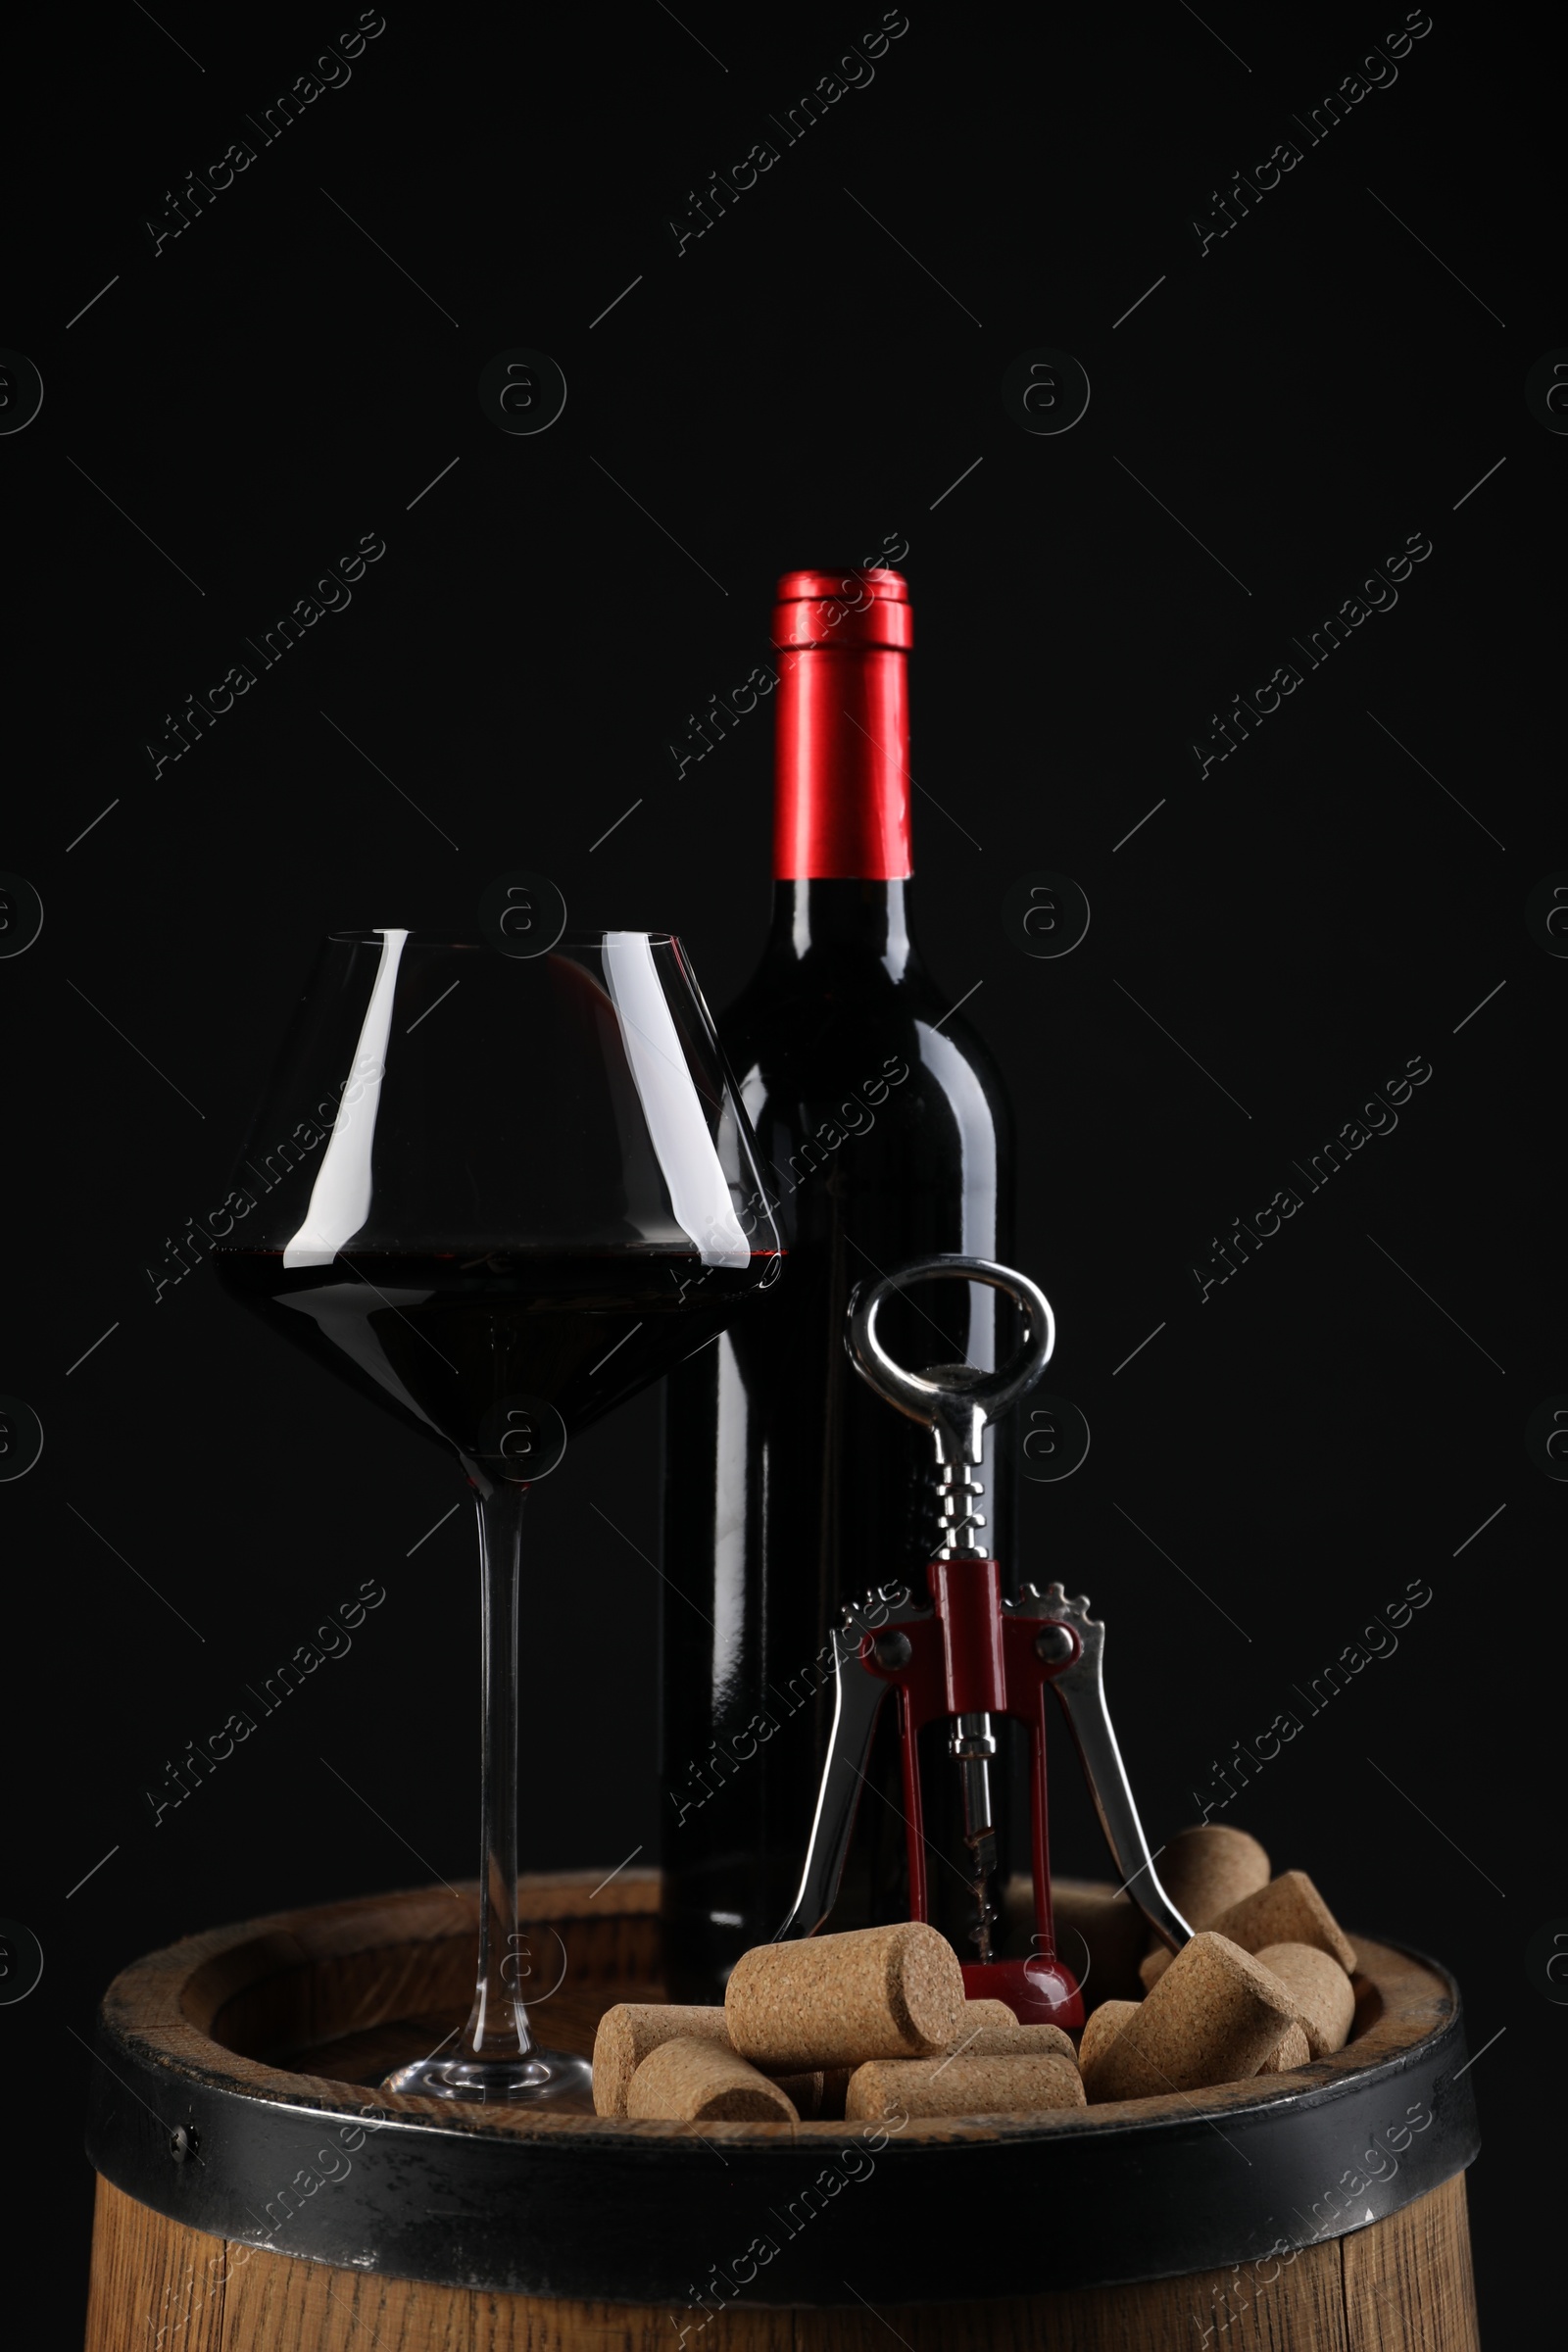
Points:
(499, 1229)
(443, 1339)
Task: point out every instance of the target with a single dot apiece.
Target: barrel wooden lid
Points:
(237, 2093)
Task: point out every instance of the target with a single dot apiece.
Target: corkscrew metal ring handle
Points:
(953, 1400)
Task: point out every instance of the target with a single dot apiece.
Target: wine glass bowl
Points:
(499, 1194)
(473, 1174)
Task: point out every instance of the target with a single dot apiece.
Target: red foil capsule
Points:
(841, 807)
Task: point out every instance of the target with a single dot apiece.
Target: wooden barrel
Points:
(257, 2190)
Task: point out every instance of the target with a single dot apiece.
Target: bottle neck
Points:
(849, 920)
(841, 809)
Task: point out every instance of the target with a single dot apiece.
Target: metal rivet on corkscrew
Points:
(969, 1657)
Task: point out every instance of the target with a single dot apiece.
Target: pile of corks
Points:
(874, 2022)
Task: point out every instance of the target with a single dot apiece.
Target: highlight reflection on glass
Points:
(498, 1196)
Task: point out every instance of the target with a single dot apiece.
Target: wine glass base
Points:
(539, 2076)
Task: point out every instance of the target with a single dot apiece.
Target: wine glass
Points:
(498, 1192)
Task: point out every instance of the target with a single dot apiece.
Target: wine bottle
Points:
(789, 1487)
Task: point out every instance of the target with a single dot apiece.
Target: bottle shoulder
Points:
(798, 1039)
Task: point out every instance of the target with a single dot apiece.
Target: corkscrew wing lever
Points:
(857, 1702)
(1081, 1690)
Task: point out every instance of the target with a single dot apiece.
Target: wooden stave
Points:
(1402, 2285)
(936, 2166)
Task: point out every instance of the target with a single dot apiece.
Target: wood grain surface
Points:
(311, 2007)
(1402, 2285)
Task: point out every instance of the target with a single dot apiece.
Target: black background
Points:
(800, 385)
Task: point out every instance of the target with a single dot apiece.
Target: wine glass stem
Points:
(498, 2023)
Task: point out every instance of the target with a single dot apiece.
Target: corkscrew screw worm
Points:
(954, 1402)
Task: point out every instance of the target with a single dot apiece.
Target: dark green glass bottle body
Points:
(791, 1489)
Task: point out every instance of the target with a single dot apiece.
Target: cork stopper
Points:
(631, 2030)
(1287, 1910)
(1319, 1991)
(690, 2081)
(1107, 2020)
(891, 2086)
(836, 2082)
(1206, 1868)
(990, 2013)
(1214, 2016)
(1013, 2041)
(1294, 2052)
(805, 2093)
(894, 1991)
(1102, 2027)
